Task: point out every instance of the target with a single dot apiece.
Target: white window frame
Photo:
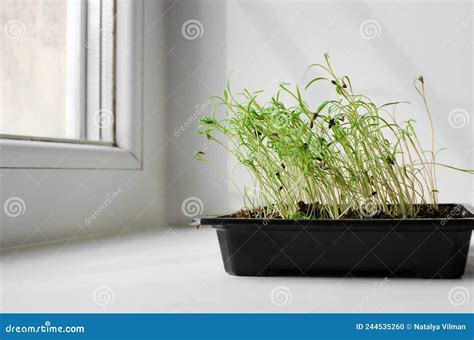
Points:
(126, 152)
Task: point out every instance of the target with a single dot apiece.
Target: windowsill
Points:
(179, 270)
(53, 140)
(54, 155)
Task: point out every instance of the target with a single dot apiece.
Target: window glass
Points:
(33, 69)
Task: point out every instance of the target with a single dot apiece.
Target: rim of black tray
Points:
(452, 223)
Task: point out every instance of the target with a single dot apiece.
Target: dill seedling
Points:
(331, 161)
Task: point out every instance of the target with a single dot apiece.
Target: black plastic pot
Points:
(419, 247)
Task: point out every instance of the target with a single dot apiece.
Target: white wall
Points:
(268, 42)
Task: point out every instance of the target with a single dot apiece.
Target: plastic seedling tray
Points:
(417, 247)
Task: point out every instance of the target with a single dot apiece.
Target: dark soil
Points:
(425, 211)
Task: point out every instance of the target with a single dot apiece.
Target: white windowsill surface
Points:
(55, 155)
(180, 270)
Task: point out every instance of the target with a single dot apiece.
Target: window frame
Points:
(126, 151)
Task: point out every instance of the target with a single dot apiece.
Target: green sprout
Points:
(345, 157)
